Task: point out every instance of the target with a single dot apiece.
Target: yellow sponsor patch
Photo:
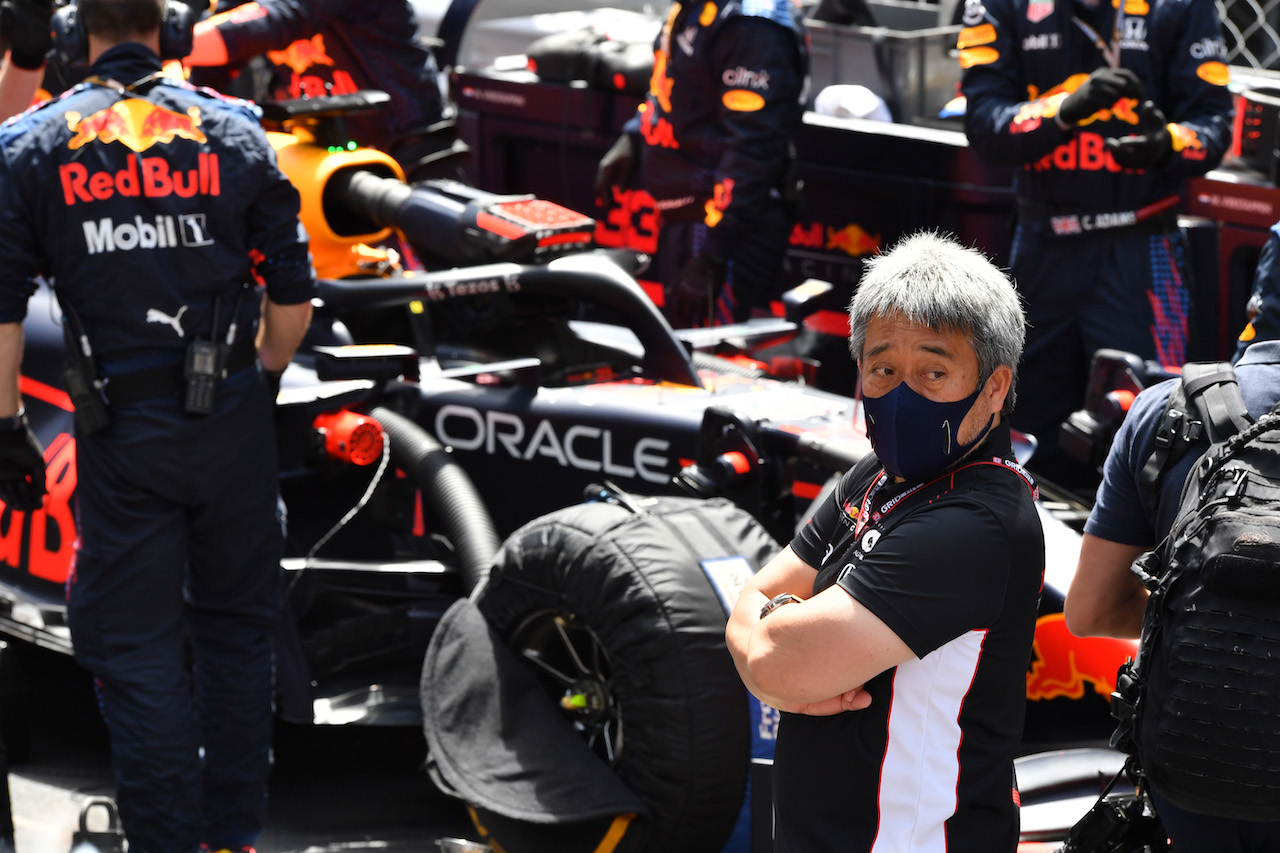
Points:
(1132, 7)
(708, 14)
(976, 36)
(1215, 73)
(978, 56)
(742, 101)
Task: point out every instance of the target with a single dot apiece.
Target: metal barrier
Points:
(1252, 31)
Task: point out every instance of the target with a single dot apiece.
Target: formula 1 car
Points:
(432, 415)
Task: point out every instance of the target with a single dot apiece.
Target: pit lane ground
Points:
(333, 789)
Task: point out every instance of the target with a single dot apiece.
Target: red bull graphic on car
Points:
(313, 71)
(1062, 663)
(853, 240)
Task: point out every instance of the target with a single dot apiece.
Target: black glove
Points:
(1151, 148)
(21, 468)
(1100, 92)
(27, 23)
(696, 287)
(614, 169)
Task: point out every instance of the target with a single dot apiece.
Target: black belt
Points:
(1060, 222)
(165, 379)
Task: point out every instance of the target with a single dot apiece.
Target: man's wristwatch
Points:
(776, 602)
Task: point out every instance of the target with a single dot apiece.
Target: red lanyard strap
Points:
(866, 516)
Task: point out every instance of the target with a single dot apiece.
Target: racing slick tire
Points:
(620, 605)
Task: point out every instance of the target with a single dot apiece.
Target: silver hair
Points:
(931, 279)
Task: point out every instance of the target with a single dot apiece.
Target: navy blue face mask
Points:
(914, 437)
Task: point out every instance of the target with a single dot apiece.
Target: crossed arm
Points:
(811, 657)
(11, 341)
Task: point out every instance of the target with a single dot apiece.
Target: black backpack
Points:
(1199, 709)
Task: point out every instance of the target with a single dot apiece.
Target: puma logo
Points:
(155, 315)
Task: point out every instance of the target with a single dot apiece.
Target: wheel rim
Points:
(574, 667)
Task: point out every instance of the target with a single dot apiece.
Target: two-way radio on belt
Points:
(84, 386)
(206, 360)
(204, 366)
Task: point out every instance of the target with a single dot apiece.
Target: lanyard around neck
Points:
(1110, 52)
(868, 517)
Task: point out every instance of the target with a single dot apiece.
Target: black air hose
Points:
(448, 490)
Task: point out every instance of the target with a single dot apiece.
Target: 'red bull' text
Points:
(1086, 152)
(148, 177)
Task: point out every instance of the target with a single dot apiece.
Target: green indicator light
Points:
(573, 702)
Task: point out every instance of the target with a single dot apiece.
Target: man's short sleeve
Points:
(941, 573)
(1119, 512)
(814, 541)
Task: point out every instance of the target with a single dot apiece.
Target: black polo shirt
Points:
(954, 567)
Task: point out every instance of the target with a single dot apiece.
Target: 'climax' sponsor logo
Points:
(746, 78)
(149, 177)
(1209, 48)
(586, 448)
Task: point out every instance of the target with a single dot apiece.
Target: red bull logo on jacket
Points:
(1044, 106)
(1186, 142)
(148, 177)
(136, 124)
(302, 54)
(313, 71)
(1084, 152)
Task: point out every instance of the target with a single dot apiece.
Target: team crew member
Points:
(331, 47)
(160, 196)
(25, 35)
(894, 631)
(713, 141)
(1107, 108)
(1264, 301)
(1107, 599)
